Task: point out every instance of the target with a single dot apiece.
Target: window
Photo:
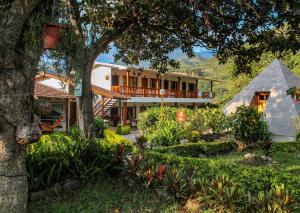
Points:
(191, 87)
(166, 84)
(174, 85)
(152, 83)
(133, 81)
(115, 80)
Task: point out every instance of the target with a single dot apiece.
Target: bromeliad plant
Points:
(131, 169)
(276, 200)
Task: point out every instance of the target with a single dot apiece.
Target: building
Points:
(121, 93)
(57, 91)
(140, 89)
(268, 92)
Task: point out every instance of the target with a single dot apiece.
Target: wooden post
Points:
(178, 88)
(127, 82)
(196, 88)
(120, 111)
(211, 86)
(156, 87)
(124, 113)
(68, 115)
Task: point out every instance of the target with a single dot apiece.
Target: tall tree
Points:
(150, 29)
(18, 66)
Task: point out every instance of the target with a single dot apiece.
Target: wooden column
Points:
(196, 88)
(124, 113)
(156, 87)
(127, 82)
(178, 95)
(120, 111)
(68, 115)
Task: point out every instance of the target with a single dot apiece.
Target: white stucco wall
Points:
(99, 77)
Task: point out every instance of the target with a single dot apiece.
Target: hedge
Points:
(195, 149)
(252, 179)
(123, 130)
(291, 146)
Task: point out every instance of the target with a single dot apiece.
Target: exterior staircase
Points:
(104, 105)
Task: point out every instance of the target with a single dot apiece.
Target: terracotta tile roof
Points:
(62, 78)
(41, 90)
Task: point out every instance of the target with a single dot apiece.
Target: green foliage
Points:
(123, 130)
(278, 199)
(248, 125)
(195, 149)
(160, 127)
(100, 126)
(252, 179)
(167, 133)
(220, 194)
(141, 141)
(106, 195)
(240, 81)
(194, 136)
(59, 157)
(287, 147)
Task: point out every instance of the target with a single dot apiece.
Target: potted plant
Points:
(52, 35)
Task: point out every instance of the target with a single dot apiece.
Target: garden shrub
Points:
(160, 127)
(58, 157)
(252, 179)
(100, 126)
(248, 125)
(123, 130)
(195, 149)
(292, 146)
(167, 133)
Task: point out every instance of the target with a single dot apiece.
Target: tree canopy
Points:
(150, 29)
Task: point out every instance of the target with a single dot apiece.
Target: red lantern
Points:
(52, 35)
(180, 116)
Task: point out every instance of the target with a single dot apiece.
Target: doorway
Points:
(144, 86)
(262, 98)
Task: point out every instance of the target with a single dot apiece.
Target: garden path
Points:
(132, 135)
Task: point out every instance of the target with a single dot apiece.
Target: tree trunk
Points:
(16, 104)
(17, 71)
(85, 104)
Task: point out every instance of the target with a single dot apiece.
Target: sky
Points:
(109, 57)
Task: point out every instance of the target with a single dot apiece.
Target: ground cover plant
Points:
(106, 195)
(59, 157)
(250, 178)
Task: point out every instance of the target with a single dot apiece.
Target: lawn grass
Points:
(107, 195)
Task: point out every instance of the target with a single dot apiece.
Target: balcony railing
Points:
(170, 93)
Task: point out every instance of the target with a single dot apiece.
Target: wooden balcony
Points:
(150, 92)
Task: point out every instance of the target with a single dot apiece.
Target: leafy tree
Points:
(149, 30)
(21, 46)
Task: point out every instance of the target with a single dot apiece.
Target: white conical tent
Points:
(280, 109)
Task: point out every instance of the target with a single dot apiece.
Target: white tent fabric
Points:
(280, 109)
